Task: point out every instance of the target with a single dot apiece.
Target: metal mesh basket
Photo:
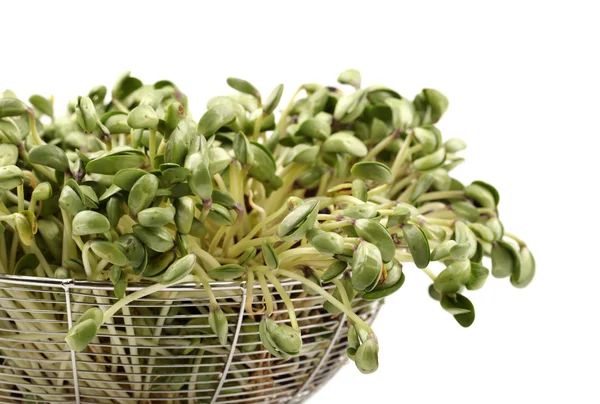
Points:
(160, 349)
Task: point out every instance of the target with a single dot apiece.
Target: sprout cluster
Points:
(343, 187)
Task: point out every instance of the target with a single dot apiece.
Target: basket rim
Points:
(71, 283)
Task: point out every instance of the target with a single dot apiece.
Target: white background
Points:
(523, 85)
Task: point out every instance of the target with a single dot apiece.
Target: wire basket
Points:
(160, 349)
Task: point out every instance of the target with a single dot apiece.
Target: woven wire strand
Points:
(160, 349)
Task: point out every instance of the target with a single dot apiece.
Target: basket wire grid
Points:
(160, 349)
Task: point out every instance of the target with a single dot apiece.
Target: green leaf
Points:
(179, 269)
(248, 254)
(367, 266)
(115, 122)
(11, 107)
(27, 262)
(463, 234)
(295, 225)
(52, 235)
(359, 190)
(109, 251)
(226, 272)
(286, 339)
(465, 210)
(455, 145)
(218, 160)
(362, 211)
(156, 216)
(427, 139)
(345, 142)
(367, 356)
(242, 149)
(391, 287)
(199, 180)
(270, 256)
(88, 222)
(482, 232)
(220, 215)
(524, 273)
(349, 107)
(334, 271)
(372, 170)
(480, 195)
(157, 265)
(460, 307)
(327, 243)
(417, 244)
(133, 248)
(478, 276)
(114, 210)
(42, 104)
(218, 323)
(273, 100)
(70, 201)
(403, 112)
(375, 233)
(110, 165)
(215, 118)
(142, 193)
(243, 86)
(9, 131)
(453, 278)
(126, 178)
(50, 156)
(350, 77)
(314, 128)
(11, 176)
(142, 117)
(86, 114)
(124, 86)
(505, 260)
(430, 161)
(496, 227)
(185, 210)
(442, 250)
(42, 192)
(157, 239)
(119, 281)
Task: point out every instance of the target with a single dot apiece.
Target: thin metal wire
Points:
(161, 349)
(324, 358)
(233, 346)
(66, 286)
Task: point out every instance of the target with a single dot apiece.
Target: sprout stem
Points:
(351, 315)
(382, 145)
(85, 258)
(432, 196)
(429, 273)
(343, 293)
(152, 146)
(401, 156)
(285, 297)
(3, 256)
(336, 225)
(142, 293)
(268, 299)
(515, 238)
(37, 140)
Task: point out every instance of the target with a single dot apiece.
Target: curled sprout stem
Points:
(268, 299)
(285, 297)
